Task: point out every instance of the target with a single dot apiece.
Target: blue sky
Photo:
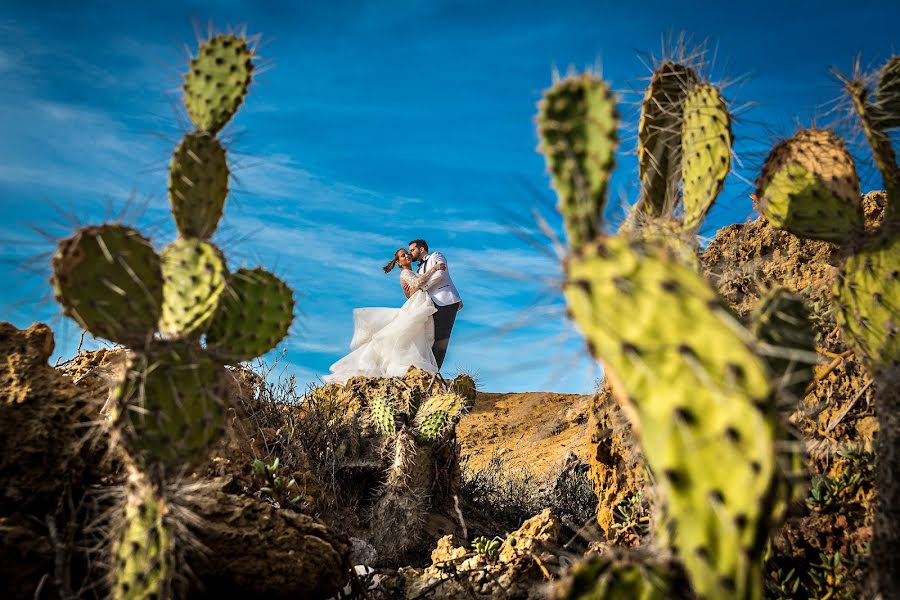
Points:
(377, 123)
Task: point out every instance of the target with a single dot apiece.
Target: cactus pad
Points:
(659, 148)
(255, 313)
(698, 397)
(866, 297)
(464, 385)
(887, 94)
(384, 415)
(169, 408)
(436, 415)
(198, 184)
(782, 323)
(706, 151)
(809, 187)
(577, 125)
(144, 549)
(108, 279)
(602, 578)
(217, 81)
(193, 281)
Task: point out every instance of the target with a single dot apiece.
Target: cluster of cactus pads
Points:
(182, 315)
(688, 374)
(410, 430)
(700, 387)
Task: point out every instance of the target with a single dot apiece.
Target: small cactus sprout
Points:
(867, 300)
(193, 281)
(217, 81)
(659, 129)
(255, 313)
(169, 409)
(706, 151)
(198, 184)
(809, 187)
(108, 279)
(577, 126)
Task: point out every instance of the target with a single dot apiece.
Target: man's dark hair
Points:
(420, 244)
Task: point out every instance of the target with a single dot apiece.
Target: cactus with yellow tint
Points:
(169, 407)
(809, 187)
(577, 125)
(615, 578)
(683, 368)
(699, 398)
(705, 151)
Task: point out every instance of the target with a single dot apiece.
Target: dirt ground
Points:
(536, 430)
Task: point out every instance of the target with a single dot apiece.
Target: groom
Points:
(442, 292)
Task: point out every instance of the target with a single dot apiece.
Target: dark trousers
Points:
(443, 325)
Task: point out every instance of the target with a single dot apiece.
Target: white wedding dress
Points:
(388, 341)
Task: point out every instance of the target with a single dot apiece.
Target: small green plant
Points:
(273, 483)
(631, 516)
(487, 548)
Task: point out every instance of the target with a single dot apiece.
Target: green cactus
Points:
(170, 407)
(706, 151)
(700, 399)
(255, 313)
(464, 385)
(782, 323)
(108, 279)
(887, 94)
(659, 129)
(217, 81)
(577, 126)
(144, 548)
(604, 578)
(867, 301)
(193, 280)
(198, 184)
(809, 187)
(384, 415)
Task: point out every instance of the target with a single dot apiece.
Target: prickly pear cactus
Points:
(252, 296)
(217, 81)
(659, 129)
(198, 184)
(699, 398)
(193, 281)
(809, 187)
(887, 94)
(144, 548)
(577, 125)
(108, 279)
(384, 415)
(602, 578)
(706, 151)
(782, 323)
(170, 406)
(867, 300)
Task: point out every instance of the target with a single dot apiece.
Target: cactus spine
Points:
(169, 408)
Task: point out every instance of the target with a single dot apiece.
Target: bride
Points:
(388, 341)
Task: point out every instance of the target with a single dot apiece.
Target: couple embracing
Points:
(388, 341)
